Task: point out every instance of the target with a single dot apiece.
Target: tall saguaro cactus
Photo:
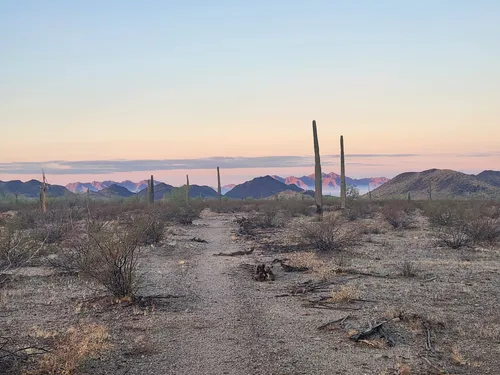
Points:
(43, 193)
(151, 190)
(342, 174)
(430, 190)
(219, 189)
(318, 177)
(187, 189)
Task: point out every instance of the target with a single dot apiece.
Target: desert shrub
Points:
(53, 233)
(360, 210)
(17, 247)
(70, 350)
(295, 208)
(484, 230)
(151, 228)
(460, 224)
(329, 234)
(26, 219)
(181, 213)
(397, 217)
(455, 235)
(408, 269)
(444, 213)
(109, 257)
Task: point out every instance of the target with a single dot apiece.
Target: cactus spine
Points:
(342, 174)
(151, 190)
(318, 177)
(219, 189)
(187, 189)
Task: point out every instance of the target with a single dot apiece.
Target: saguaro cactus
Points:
(318, 177)
(43, 193)
(430, 190)
(219, 189)
(151, 190)
(187, 189)
(342, 174)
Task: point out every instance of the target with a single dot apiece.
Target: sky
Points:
(95, 90)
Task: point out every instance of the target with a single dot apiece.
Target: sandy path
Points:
(228, 323)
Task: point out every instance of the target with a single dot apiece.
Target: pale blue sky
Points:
(87, 80)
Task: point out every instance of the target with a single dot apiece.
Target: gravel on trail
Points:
(228, 323)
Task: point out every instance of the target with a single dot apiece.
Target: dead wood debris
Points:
(289, 268)
(263, 273)
(197, 239)
(235, 253)
(311, 287)
(327, 326)
(374, 330)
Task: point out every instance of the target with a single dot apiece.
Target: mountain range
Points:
(443, 184)
(134, 187)
(331, 183)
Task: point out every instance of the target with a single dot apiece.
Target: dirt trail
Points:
(228, 323)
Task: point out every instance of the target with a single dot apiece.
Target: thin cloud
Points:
(61, 167)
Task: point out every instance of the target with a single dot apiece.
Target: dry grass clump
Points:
(345, 294)
(323, 269)
(331, 233)
(408, 269)
(71, 349)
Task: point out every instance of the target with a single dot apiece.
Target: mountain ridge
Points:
(443, 183)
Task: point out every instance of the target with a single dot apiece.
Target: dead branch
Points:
(377, 329)
(289, 268)
(235, 253)
(340, 320)
(197, 239)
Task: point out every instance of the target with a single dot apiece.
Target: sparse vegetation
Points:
(70, 350)
(329, 234)
(109, 257)
(399, 217)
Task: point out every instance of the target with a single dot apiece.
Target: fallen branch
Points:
(428, 342)
(197, 239)
(236, 253)
(351, 271)
(374, 330)
(289, 268)
(341, 320)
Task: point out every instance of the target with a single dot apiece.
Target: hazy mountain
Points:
(260, 187)
(196, 191)
(445, 184)
(82, 187)
(115, 191)
(31, 189)
(331, 182)
(224, 189)
(490, 177)
(160, 190)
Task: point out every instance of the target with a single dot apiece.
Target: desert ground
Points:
(380, 288)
